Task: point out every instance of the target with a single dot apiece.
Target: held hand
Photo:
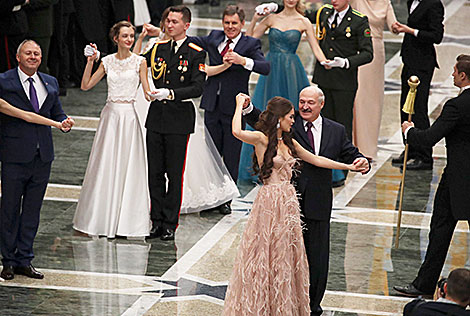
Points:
(233, 58)
(401, 28)
(362, 164)
(160, 94)
(67, 124)
(326, 64)
(243, 99)
(143, 34)
(152, 30)
(91, 52)
(227, 62)
(337, 62)
(405, 125)
(266, 8)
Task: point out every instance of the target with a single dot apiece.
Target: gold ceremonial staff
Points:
(408, 107)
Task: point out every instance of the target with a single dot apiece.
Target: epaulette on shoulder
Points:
(195, 47)
(358, 13)
(162, 41)
(327, 6)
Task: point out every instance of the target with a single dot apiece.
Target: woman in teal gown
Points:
(287, 76)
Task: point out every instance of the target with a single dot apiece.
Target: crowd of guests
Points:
(135, 179)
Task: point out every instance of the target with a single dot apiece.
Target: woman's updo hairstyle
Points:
(277, 108)
(114, 32)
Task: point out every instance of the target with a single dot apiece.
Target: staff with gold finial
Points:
(408, 107)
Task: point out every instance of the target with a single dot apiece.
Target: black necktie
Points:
(173, 48)
(310, 135)
(334, 24)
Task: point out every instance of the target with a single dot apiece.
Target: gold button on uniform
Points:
(331, 49)
(332, 38)
(167, 82)
(168, 72)
(164, 101)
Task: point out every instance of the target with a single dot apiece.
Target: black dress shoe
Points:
(225, 209)
(168, 234)
(8, 273)
(155, 232)
(411, 291)
(399, 160)
(418, 164)
(30, 272)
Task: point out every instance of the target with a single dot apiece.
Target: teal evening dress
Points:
(286, 79)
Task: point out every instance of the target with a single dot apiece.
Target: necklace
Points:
(279, 138)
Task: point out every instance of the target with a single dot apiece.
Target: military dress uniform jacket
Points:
(351, 39)
(184, 74)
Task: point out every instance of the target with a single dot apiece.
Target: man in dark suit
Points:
(452, 200)
(26, 152)
(326, 138)
(424, 29)
(454, 298)
(13, 28)
(178, 74)
(218, 98)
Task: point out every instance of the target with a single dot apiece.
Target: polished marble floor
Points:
(99, 276)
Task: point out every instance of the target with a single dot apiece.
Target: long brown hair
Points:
(277, 107)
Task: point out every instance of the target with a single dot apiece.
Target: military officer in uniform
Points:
(344, 37)
(177, 68)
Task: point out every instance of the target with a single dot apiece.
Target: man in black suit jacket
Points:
(452, 200)
(424, 29)
(218, 98)
(314, 184)
(26, 153)
(454, 298)
(177, 68)
(13, 28)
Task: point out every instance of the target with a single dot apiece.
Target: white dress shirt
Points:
(340, 17)
(178, 43)
(249, 62)
(41, 90)
(413, 6)
(316, 129)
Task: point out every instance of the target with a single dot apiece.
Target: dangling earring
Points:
(278, 124)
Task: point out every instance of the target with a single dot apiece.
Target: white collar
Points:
(317, 123)
(464, 88)
(444, 300)
(342, 13)
(24, 77)
(180, 42)
(235, 40)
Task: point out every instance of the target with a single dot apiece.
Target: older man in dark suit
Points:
(452, 200)
(218, 98)
(424, 29)
(26, 152)
(327, 138)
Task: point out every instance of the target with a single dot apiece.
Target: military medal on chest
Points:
(183, 66)
(348, 31)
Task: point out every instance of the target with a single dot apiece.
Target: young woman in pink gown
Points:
(270, 275)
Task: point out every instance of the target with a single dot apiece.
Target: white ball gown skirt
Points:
(114, 198)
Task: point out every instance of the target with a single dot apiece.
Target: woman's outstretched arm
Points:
(8, 109)
(322, 162)
(258, 30)
(89, 81)
(249, 137)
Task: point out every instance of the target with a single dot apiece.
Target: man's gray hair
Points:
(318, 91)
(24, 42)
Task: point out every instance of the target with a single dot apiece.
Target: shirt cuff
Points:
(249, 64)
(248, 109)
(346, 65)
(406, 131)
(415, 33)
(16, 8)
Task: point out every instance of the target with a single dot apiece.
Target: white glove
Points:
(339, 62)
(90, 51)
(266, 8)
(161, 94)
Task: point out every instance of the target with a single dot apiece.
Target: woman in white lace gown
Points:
(207, 182)
(114, 198)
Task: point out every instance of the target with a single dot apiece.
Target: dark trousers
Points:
(317, 246)
(23, 189)
(442, 228)
(339, 107)
(219, 126)
(59, 56)
(166, 156)
(420, 117)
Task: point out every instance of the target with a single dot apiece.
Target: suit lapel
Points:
(241, 43)
(300, 130)
(325, 136)
(50, 91)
